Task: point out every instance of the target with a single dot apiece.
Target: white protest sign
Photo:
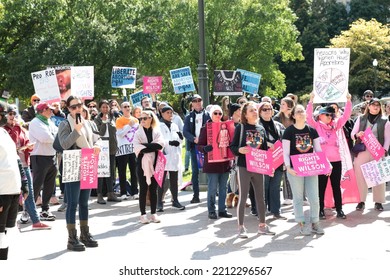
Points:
(331, 74)
(82, 78)
(376, 172)
(46, 85)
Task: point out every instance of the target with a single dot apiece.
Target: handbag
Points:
(233, 179)
(357, 148)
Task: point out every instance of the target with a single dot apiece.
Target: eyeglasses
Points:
(144, 118)
(242, 102)
(91, 106)
(125, 107)
(196, 100)
(217, 114)
(36, 100)
(11, 114)
(78, 106)
(369, 96)
(266, 109)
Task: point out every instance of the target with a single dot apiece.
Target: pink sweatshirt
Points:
(328, 136)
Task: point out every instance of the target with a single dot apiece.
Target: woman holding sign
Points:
(328, 127)
(76, 133)
(249, 134)
(380, 126)
(300, 138)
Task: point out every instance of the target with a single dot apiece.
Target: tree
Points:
(368, 40)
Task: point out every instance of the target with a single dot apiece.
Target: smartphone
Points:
(78, 118)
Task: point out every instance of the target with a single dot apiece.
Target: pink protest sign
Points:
(220, 135)
(311, 164)
(88, 169)
(277, 155)
(160, 168)
(152, 84)
(259, 161)
(372, 144)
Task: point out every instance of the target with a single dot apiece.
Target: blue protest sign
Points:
(123, 77)
(56, 120)
(182, 80)
(136, 97)
(250, 81)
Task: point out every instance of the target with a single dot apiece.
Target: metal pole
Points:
(202, 66)
(375, 81)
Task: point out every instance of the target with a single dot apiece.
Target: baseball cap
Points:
(372, 101)
(43, 106)
(195, 97)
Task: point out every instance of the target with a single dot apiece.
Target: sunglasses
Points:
(266, 109)
(11, 114)
(144, 118)
(369, 96)
(125, 107)
(217, 114)
(196, 100)
(328, 115)
(91, 106)
(36, 100)
(242, 102)
(78, 106)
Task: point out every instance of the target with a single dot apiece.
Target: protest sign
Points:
(250, 81)
(136, 97)
(220, 135)
(227, 82)
(45, 85)
(5, 94)
(331, 74)
(82, 80)
(152, 84)
(63, 75)
(372, 144)
(56, 120)
(88, 169)
(160, 168)
(123, 77)
(311, 164)
(376, 172)
(182, 80)
(104, 160)
(259, 161)
(277, 155)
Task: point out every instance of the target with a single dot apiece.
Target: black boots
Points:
(87, 238)
(3, 254)
(74, 243)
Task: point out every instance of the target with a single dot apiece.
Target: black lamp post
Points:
(375, 64)
(202, 66)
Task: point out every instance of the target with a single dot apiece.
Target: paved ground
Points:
(357, 246)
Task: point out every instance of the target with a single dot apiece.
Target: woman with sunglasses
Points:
(253, 135)
(148, 140)
(328, 127)
(274, 131)
(300, 138)
(76, 133)
(380, 127)
(217, 172)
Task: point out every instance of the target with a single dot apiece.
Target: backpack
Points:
(56, 144)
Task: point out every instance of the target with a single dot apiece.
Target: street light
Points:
(375, 64)
(202, 66)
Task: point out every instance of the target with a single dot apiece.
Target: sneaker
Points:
(134, 197)
(40, 226)
(360, 206)
(303, 230)
(124, 197)
(341, 215)
(62, 208)
(25, 217)
(47, 216)
(378, 206)
(322, 215)
(176, 204)
(264, 230)
(287, 202)
(279, 217)
(213, 216)
(154, 218)
(144, 219)
(253, 212)
(242, 233)
(195, 200)
(316, 228)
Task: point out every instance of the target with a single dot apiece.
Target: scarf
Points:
(43, 119)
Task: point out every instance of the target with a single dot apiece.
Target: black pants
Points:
(122, 163)
(143, 190)
(106, 184)
(44, 171)
(335, 179)
(173, 186)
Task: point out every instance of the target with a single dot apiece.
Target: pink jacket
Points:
(328, 133)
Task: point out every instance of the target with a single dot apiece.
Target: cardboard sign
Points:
(372, 144)
(46, 86)
(152, 84)
(259, 161)
(136, 98)
(250, 81)
(182, 80)
(376, 172)
(123, 77)
(82, 80)
(220, 136)
(311, 164)
(160, 168)
(88, 169)
(331, 74)
(227, 82)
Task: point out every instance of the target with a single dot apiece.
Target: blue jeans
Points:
(29, 203)
(187, 159)
(217, 180)
(75, 196)
(272, 191)
(298, 186)
(195, 173)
